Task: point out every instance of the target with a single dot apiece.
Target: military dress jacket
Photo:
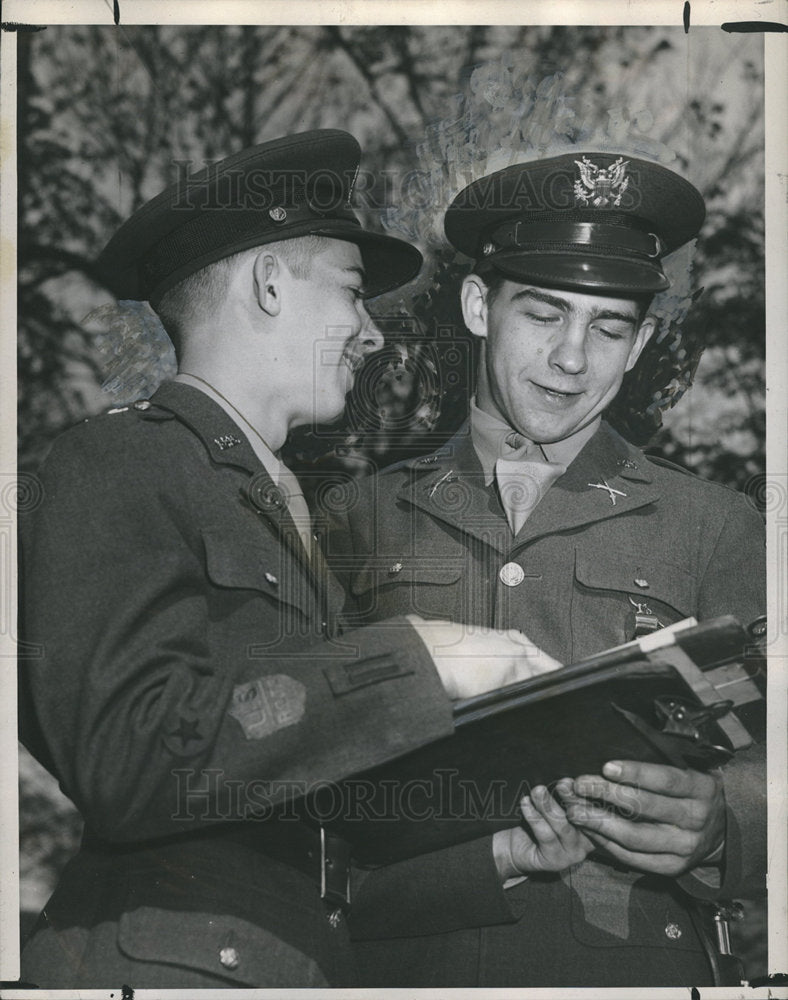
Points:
(617, 530)
(183, 677)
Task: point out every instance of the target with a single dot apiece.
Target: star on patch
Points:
(187, 731)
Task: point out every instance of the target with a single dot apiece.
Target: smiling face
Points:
(553, 360)
(331, 334)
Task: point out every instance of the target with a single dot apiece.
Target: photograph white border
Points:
(354, 12)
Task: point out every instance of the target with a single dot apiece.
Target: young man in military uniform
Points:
(190, 680)
(537, 515)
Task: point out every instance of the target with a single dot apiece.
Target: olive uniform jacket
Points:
(182, 675)
(428, 537)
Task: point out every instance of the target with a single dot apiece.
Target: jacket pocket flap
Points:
(245, 564)
(410, 570)
(220, 945)
(645, 579)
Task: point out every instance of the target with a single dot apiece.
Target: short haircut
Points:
(198, 295)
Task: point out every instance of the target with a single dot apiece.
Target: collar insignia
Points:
(448, 477)
(610, 491)
(227, 441)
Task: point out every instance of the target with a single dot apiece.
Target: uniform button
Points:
(672, 931)
(272, 579)
(142, 404)
(511, 575)
(640, 582)
(229, 958)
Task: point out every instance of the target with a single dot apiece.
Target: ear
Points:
(473, 297)
(645, 332)
(267, 286)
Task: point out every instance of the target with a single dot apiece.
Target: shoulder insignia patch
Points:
(265, 705)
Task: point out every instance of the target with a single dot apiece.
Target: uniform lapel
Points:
(226, 444)
(608, 478)
(449, 486)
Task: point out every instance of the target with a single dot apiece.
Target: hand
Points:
(471, 660)
(673, 819)
(554, 845)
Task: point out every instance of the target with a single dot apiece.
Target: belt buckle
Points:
(334, 870)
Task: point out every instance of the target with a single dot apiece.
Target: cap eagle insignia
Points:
(601, 186)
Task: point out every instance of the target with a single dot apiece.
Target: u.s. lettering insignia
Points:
(226, 441)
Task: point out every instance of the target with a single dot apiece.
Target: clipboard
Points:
(651, 700)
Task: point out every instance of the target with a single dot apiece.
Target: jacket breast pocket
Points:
(614, 595)
(429, 586)
(236, 564)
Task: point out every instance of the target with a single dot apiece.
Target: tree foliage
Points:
(105, 117)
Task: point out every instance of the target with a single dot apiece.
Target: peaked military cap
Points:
(597, 221)
(299, 185)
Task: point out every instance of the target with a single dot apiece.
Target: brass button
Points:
(229, 958)
(272, 579)
(142, 404)
(672, 931)
(511, 575)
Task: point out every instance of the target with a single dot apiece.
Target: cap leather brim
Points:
(583, 272)
(388, 262)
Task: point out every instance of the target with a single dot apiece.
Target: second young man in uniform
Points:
(537, 515)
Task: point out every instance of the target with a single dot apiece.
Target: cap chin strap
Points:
(549, 235)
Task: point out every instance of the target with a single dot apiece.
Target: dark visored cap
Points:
(597, 221)
(299, 185)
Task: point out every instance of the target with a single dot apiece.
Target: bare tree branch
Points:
(336, 35)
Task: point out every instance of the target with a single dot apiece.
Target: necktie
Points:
(296, 504)
(523, 478)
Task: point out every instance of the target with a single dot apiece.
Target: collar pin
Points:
(447, 478)
(604, 485)
(226, 441)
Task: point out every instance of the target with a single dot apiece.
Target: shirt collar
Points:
(270, 462)
(489, 435)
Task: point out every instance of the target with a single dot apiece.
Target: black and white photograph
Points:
(394, 498)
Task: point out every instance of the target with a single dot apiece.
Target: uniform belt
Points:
(316, 852)
(322, 856)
